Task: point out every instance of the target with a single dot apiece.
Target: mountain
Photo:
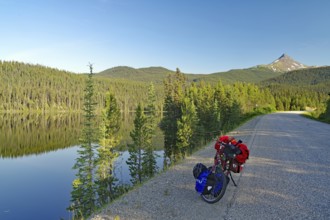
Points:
(284, 64)
(318, 76)
(249, 75)
(158, 74)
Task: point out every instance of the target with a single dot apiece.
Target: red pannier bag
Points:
(241, 158)
(236, 165)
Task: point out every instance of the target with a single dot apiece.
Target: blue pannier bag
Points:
(218, 183)
(201, 182)
(209, 183)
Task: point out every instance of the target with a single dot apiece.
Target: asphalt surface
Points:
(286, 177)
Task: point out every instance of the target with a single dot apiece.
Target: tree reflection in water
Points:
(22, 135)
(26, 134)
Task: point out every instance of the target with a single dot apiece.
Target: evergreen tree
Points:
(168, 126)
(215, 123)
(106, 153)
(235, 115)
(149, 167)
(187, 127)
(175, 87)
(225, 109)
(83, 193)
(150, 109)
(140, 136)
(133, 163)
(326, 114)
(208, 111)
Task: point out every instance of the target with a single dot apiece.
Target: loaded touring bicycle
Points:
(211, 182)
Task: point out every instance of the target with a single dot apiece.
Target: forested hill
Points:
(299, 89)
(249, 75)
(154, 74)
(158, 74)
(25, 87)
(310, 76)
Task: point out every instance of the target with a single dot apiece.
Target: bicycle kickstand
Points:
(231, 177)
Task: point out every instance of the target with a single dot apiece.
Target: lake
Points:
(36, 160)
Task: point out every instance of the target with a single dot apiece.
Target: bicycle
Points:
(224, 164)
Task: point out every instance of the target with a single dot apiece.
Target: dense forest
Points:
(202, 111)
(26, 87)
(301, 89)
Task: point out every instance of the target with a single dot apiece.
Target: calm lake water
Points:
(36, 160)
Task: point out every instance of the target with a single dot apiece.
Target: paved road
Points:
(286, 177)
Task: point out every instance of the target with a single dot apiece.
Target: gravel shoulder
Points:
(286, 177)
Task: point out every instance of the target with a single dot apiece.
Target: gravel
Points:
(286, 177)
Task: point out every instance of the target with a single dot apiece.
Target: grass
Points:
(311, 116)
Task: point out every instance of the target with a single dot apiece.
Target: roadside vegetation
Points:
(193, 115)
(326, 115)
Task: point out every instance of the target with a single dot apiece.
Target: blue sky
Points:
(197, 36)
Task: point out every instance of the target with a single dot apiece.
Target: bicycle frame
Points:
(226, 160)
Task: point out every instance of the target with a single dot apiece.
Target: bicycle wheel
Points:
(219, 188)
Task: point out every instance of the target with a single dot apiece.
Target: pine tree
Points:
(149, 167)
(83, 193)
(175, 88)
(235, 115)
(133, 163)
(208, 111)
(106, 153)
(150, 109)
(140, 137)
(326, 114)
(187, 127)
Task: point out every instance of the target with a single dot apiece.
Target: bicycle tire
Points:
(213, 198)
